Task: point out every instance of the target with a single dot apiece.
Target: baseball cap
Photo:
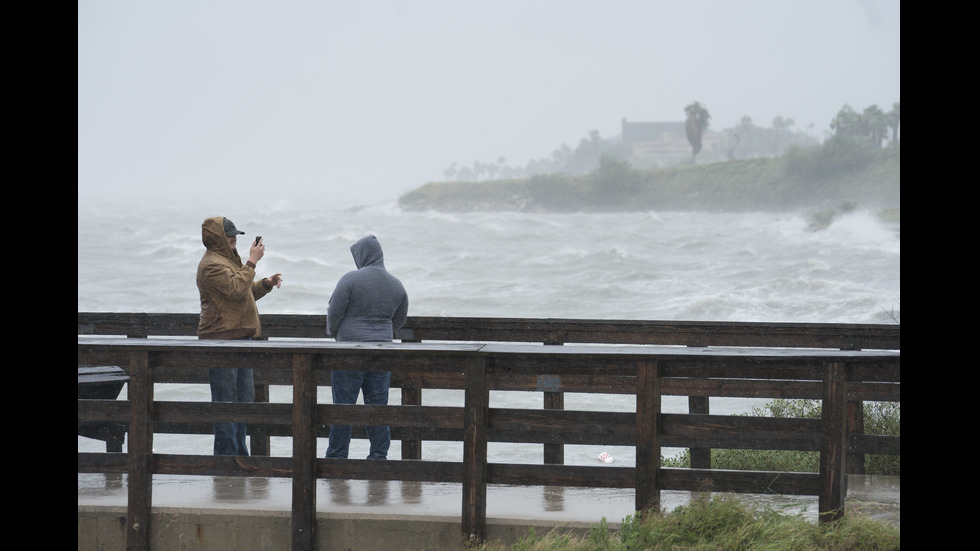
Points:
(230, 228)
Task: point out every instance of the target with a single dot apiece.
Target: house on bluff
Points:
(664, 143)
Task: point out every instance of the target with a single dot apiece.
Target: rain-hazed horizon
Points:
(351, 104)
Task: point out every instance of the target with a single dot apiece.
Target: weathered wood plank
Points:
(569, 475)
(304, 455)
(742, 432)
(561, 426)
(104, 411)
(475, 421)
(430, 417)
(140, 483)
(699, 404)
(411, 395)
(833, 453)
(719, 480)
(415, 471)
(554, 453)
(648, 430)
(223, 465)
(421, 328)
(258, 438)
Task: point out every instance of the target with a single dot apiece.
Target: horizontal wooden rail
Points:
(835, 376)
(845, 336)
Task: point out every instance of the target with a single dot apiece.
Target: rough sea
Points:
(761, 267)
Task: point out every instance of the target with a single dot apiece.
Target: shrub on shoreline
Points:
(722, 522)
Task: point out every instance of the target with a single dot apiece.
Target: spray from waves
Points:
(863, 229)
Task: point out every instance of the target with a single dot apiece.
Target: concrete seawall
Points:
(102, 528)
(253, 514)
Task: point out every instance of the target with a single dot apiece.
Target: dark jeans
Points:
(345, 385)
(230, 384)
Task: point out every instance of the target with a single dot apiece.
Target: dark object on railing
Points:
(102, 383)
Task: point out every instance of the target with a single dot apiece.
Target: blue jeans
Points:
(229, 384)
(345, 385)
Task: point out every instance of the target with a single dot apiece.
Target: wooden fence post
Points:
(834, 450)
(554, 454)
(140, 452)
(475, 420)
(304, 454)
(258, 437)
(700, 457)
(412, 396)
(855, 425)
(648, 401)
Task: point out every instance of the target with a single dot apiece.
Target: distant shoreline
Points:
(776, 184)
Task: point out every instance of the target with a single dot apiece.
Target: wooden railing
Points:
(770, 365)
(843, 336)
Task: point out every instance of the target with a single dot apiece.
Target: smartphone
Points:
(257, 238)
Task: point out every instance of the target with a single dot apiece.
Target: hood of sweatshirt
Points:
(367, 252)
(215, 240)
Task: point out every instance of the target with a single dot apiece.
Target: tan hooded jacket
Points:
(228, 292)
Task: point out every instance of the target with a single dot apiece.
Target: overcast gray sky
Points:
(352, 103)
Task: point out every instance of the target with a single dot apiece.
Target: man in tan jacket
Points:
(228, 293)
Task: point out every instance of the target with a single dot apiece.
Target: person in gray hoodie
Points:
(367, 305)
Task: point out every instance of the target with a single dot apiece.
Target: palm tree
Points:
(894, 121)
(876, 124)
(847, 122)
(696, 124)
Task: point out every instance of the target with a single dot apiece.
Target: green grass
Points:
(718, 523)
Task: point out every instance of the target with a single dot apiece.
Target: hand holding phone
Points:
(255, 253)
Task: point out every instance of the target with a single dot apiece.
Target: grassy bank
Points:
(725, 522)
(836, 173)
(715, 524)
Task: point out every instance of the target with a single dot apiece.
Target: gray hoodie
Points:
(368, 304)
